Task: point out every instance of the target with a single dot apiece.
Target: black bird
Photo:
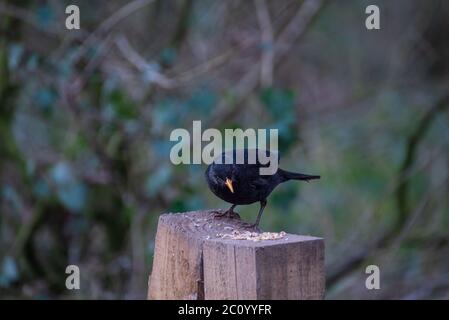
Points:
(241, 184)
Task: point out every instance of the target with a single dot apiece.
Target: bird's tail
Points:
(287, 175)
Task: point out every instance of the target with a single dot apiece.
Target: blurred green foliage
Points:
(85, 126)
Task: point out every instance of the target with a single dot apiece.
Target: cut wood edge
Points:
(185, 267)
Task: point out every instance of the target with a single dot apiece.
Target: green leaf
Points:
(279, 102)
(44, 14)
(70, 191)
(73, 196)
(122, 106)
(158, 180)
(168, 56)
(9, 272)
(41, 189)
(15, 55)
(45, 99)
(202, 100)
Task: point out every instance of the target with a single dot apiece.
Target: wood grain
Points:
(192, 261)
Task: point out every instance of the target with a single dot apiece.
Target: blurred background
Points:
(86, 115)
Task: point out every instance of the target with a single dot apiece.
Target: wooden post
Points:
(195, 259)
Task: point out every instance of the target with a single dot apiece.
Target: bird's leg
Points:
(263, 203)
(228, 213)
(231, 213)
(255, 226)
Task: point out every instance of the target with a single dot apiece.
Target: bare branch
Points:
(292, 32)
(266, 70)
(141, 64)
(27, 17)
(110, 23)
(160, 79)
(401, 194)
(296, 28)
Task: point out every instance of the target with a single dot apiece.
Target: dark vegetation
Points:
(85, 119)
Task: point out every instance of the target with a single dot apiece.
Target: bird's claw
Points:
(218, 213)
(252, 227)
(231, 214)
(234, 215)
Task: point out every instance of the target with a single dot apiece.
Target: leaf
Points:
(158, 180)
(167, 112)
(168, 56)
(9, 272)
(70, 191)
(279, 102)
(45, 99)
(13, 197)
(161, 148)
(122, 106)
(44, 14)
(15, 55)
(77, 145)
(62, 174)
(41, 189)
(73, 196)
(202, 100)
(32, 62)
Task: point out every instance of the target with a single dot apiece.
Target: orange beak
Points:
(228, 184)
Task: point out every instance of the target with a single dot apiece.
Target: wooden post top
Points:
(200, 256)
(205, 226)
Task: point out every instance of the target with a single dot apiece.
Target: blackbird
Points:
(241, 184)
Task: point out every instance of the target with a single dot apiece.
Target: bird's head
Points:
(223, 175)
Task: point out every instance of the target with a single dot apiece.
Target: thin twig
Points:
(160, 79)
(29, 18)
(266, 68)
(296, 27)
(401, 193)
(389, 190)
(203, 68)
(109, 23)
(141, 64)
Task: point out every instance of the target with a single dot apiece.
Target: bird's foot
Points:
(231, 214)
(254, 227)
(218, 213)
